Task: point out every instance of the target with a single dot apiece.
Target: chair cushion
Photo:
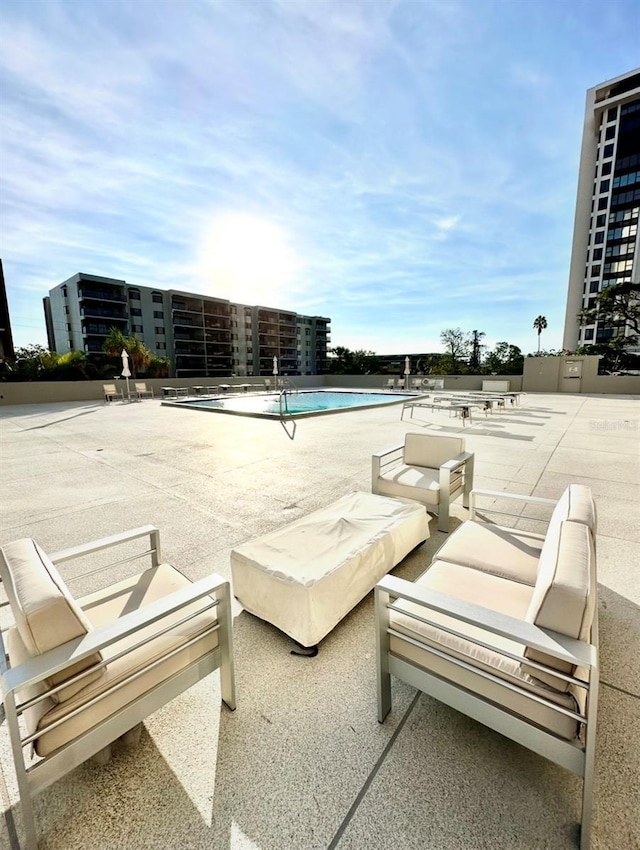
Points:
(498, 594)
(425, 450)
(576, 505)
(410, 482)
(104, 607)
(44, 611)
(503, 552)
(564, 596)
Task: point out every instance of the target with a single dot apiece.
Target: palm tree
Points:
(540, 323)
(137, 351)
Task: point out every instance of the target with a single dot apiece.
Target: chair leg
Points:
(227, 670)
(382, 654)
(589, 763)
(24, 786)
(443, 514)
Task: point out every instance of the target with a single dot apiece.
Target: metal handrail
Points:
(284, 413)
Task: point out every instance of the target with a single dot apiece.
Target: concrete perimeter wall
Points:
(39, 392)
(541, 374)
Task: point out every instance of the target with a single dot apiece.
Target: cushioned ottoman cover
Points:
(304, 577)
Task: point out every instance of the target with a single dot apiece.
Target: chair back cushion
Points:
(44, 611)
(429, 451)
(576, 505)
(564, 596)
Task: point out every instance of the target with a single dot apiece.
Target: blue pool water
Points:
(297, 403)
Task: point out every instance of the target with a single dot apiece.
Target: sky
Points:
(400, 166)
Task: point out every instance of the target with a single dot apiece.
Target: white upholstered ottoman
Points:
(306, 576)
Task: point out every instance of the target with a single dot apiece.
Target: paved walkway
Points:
(303, 764)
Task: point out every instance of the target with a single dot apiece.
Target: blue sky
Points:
(401, 166)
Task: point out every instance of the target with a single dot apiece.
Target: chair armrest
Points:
(457, 461)
(545, 640)
(106, 543)
(518, 497)
(55, 660)
(513, 497)
(385, 452)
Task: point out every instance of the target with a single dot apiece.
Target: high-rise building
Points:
(605, 237)
(6, 338)
(202, 336)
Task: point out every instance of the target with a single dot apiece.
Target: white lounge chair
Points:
(110, 392)
(431, 470)
(142, 390)
(82, 674)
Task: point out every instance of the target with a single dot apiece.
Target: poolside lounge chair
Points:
(503, 627)
(431, 470)
(110, 392)
(142, 391)
(390, 385)
(82, 674)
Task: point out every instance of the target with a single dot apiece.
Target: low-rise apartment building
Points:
(201, 336)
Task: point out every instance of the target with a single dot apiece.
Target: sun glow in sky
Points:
(401, 166)
(248, 259)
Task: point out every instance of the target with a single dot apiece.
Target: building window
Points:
(136, 311)
(134, 295)
(602, 203)
(600, 220)
(597, 253)
(136, 329)
(610, 133)
(588, 334)
(595, 270)
(160, 331)
(608, 150)
(606, 168)
(161, 346)
(604, 185)
(626, 179)
(599, 237)
(156, 297)
(158, 314)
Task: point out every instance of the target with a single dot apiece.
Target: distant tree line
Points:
(36, 363)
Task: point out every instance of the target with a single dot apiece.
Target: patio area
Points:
(303, 764)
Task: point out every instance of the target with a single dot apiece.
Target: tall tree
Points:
(617, 306)
(539, 323)
(476, 350)
(505, 359)
(456, 343)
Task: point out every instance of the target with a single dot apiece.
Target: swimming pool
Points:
(294, 403)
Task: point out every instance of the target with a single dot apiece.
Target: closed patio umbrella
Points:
(126, 372)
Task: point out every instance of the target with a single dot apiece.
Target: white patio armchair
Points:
(142, 390)
(82, 674)
(428, 469)
(110, 392)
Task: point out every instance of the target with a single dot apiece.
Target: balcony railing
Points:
(101, 295)
(88, 311)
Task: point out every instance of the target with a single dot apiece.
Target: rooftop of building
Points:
(302, 763)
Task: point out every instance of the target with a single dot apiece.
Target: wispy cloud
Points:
(400, 167)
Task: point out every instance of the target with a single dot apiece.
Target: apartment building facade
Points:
(201, 336)
(605, 240)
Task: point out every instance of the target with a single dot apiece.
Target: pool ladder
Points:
(285, 416)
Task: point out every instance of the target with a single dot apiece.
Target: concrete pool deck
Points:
(303, 763)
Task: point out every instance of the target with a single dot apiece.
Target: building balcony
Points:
(85, 294)
(90, 311)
